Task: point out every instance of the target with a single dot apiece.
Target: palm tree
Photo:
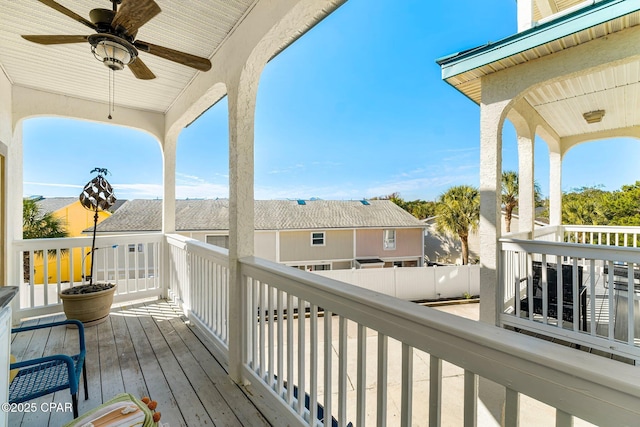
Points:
(458, 213)
(510, 195)
(37, 224)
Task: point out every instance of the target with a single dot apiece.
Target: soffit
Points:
(544, 8)
(562, 103)
(198, 27)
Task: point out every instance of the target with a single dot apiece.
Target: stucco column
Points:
(555, 188)
(14, 182)
(491, 120)
(526, 193)
(169, 183)
(241, 100)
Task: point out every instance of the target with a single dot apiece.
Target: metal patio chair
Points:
(48, 374)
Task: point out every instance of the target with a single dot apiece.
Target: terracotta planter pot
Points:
(90, 308)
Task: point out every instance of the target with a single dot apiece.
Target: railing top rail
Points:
(503, 356)
(602, 228)
(83, 241)
(574, 250)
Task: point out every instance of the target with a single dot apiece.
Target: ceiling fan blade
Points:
(140, 70)
(197, 62)
(71, 14)
(56, 39)
(133, 14)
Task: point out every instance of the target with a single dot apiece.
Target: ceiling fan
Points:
(114, 43)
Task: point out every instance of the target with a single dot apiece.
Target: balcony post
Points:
(526, 190)
(241, 91)
(555, 188)
(14, 176)
(168, 202)
(492, 117)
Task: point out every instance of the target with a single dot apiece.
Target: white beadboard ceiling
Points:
(197, 27)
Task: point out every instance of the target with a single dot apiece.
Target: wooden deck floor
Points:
(145, 350)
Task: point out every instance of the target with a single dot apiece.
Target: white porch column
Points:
(526, 198)
(169, 183)
(491, 120)
(14, 184)
(555, 188)
(241, 100)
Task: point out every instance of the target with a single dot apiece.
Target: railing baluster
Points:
(45, 276)
(313, 366)
(545, 290)
(290, 349)
(470, 399)
(406, 404)
(592, 297)
(262, 306)
(563, 419)
(342, 371)
(435, 391)
(530, 284)
(280, 373)
(559, 292)
(512, 408)
(328, 365)
(631, 290)
(301, 350)
(577, 297)
(272, 339)
(361, 381)
(611, 295)
(383, 360)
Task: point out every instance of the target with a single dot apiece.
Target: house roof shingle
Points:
(191, 215)
(52, 204)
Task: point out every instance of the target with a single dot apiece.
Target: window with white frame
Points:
(389, 242)
(317, 238)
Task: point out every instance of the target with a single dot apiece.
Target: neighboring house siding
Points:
(77, 219)
(370, 243)
(265, 245)
(296, 246)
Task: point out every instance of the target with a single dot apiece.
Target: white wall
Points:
(414, 283)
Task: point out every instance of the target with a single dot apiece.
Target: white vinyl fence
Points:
(414, 283)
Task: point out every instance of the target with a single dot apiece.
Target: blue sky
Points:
(354, 109)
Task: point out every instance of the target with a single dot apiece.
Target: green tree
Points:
(37, 224)
(586, 206)
(421, 209)
(458, 213)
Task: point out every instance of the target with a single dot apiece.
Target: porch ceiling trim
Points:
(465, 65)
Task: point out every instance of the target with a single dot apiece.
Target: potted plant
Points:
(90, 303)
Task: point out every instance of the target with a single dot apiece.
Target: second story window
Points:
(317, 238)
(389, 242)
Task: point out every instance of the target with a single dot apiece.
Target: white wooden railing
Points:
(131, 261)
(316, 334)
(599, 267)
(199, 281)
(367, 358)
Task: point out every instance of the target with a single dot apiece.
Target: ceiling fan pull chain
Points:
(110, 93)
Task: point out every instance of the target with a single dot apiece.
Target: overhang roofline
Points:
(582, 19)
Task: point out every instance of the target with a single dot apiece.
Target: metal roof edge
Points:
(587, 17)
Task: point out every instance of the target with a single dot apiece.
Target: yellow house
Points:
(76, 219)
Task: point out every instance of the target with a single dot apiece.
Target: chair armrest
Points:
(77, 323)
(71, 371)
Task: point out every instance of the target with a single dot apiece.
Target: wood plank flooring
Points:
(145, 350)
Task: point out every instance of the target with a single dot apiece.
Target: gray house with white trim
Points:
(307, 234)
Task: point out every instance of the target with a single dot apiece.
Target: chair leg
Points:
(84, 376)
(74, 399)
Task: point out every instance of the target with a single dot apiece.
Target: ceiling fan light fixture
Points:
(113, 52)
